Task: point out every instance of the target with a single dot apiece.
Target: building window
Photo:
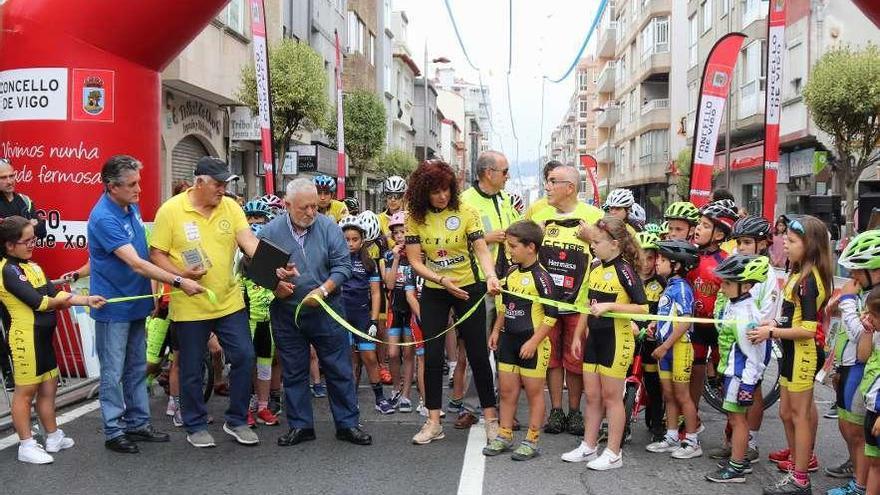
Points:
(233, 16)
(725, 7)
(707, 15)
(583, 79)
(655, 37)
(583, 108)
(372, 47)
(632, 105)
(692, 40)
(654, 147)
(582, 135)
(355, 34)
(754, 10)
(752, 79)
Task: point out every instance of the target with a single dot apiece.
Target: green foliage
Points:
(843, 96)
(298, 88)
(397, 162)
(683, 162)
(364, 115)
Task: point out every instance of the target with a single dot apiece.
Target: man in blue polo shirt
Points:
(118, 256)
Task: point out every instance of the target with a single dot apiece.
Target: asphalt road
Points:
(392, 465)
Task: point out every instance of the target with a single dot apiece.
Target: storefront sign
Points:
(800, 163)
(192, 116)
(33, 94)
(243, 125)
(307, 157)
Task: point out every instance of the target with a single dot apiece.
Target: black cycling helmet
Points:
(681, 251)
(721, 214)
(751, 226)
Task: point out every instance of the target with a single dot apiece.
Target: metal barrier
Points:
(74, 349)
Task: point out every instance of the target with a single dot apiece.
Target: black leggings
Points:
(435, 305)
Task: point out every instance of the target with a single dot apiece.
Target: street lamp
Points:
(438, 60)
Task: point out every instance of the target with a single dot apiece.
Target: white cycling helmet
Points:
(637, 214)
(394, 185)
(350, 221)
(619, 198)
(370, 225)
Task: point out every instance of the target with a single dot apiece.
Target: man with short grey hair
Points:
(319, 251)
(119, 268)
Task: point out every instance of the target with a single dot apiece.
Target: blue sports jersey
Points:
(402, 279)
(677, 300)
(356, 289)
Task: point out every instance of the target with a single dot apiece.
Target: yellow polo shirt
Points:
(190, 239)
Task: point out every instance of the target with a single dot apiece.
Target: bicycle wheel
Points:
(207, 376)
(630, 395)
(769, 384)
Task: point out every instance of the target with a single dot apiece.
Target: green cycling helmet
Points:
(862, 252)
(653, 228)
(664, 228)
(682, 210)
(647, 240)
(744, 268)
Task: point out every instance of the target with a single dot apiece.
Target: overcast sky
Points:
(546, 38)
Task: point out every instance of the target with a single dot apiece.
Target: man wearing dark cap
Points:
(195, 236)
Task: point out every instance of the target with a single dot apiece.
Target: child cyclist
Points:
(654, 285)
(681, 218)
(869, 351)
(805, 293)
(361, 294)
(862, 258)
(520, 340)
(715, 224)
(608, 352)
(675, 354)
(398, 275)
(752, 236)
(742, 362)
(31, 300)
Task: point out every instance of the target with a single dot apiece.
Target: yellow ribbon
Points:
(208, 292)
(346, 325)
(629, 316)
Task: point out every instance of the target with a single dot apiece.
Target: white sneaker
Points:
(608, 460)
(663, 446)
(581, 454)
(58, 441)
(171, 408)
(687, 451)
(429, 433)
(33, 454)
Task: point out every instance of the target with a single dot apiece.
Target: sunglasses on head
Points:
(797, 226)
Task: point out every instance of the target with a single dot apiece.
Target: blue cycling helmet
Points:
(325, 183)
(257, 207)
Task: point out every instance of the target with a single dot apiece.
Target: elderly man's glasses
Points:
(504, 171)
(555, 182)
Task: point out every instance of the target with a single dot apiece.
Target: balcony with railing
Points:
(607, 116)
(608, 40)
(650, 169)
(605, 153)
(605, 81)
(647, 9)
(654, 112)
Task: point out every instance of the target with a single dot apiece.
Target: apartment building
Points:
(813, 27)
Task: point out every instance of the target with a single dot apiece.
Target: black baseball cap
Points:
(215, 168)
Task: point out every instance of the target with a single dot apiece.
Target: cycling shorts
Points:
(264, 344)
(509, 360)
(398, 324)
(361, 321)
(850, 401)
(33, 357)
(649, 364)
(703, 338)
(730, 391)
(677, 363)
(872, 443)
(561, 336)
(801, 360)
(609, 352)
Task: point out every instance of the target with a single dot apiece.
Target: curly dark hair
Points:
(430, 176)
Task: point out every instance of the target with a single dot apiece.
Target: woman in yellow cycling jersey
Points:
(444, 241)
(798, 328)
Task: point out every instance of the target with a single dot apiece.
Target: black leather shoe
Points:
(147, 434)
(122, 445)
(355, 435)
(295, 436)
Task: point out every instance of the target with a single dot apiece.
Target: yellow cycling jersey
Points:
(541, 214)
(336, 210)
(653, 290)
(614, 281)
(523, 316)
(566, 258)
(384, 218)
(445, 238)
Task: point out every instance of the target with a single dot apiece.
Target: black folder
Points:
(267, 258)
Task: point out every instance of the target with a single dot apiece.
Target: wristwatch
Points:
(323, 291)
(176, 282)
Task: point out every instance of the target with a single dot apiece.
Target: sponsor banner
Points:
(713, 97)
(33, 94)
(261, 65)
(773, 103)
(340, 127)
(592, 168)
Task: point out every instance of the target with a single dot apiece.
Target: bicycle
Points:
(635, 397)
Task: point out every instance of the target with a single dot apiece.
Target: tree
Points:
(298, 90)
(398, 162)
(843, 96)
(364, 115)
(683, 163)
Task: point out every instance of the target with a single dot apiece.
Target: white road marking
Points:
(473, 467)
(63, 419)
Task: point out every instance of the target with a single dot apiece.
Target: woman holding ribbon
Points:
(444, 242)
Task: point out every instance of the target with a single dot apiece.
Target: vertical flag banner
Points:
(340, 127)
(261, 66)
(591, 166)
(773, 103)
(713, 97)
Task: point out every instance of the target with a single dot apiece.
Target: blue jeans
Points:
(122, 352)
(235, 336)
(331, 343)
